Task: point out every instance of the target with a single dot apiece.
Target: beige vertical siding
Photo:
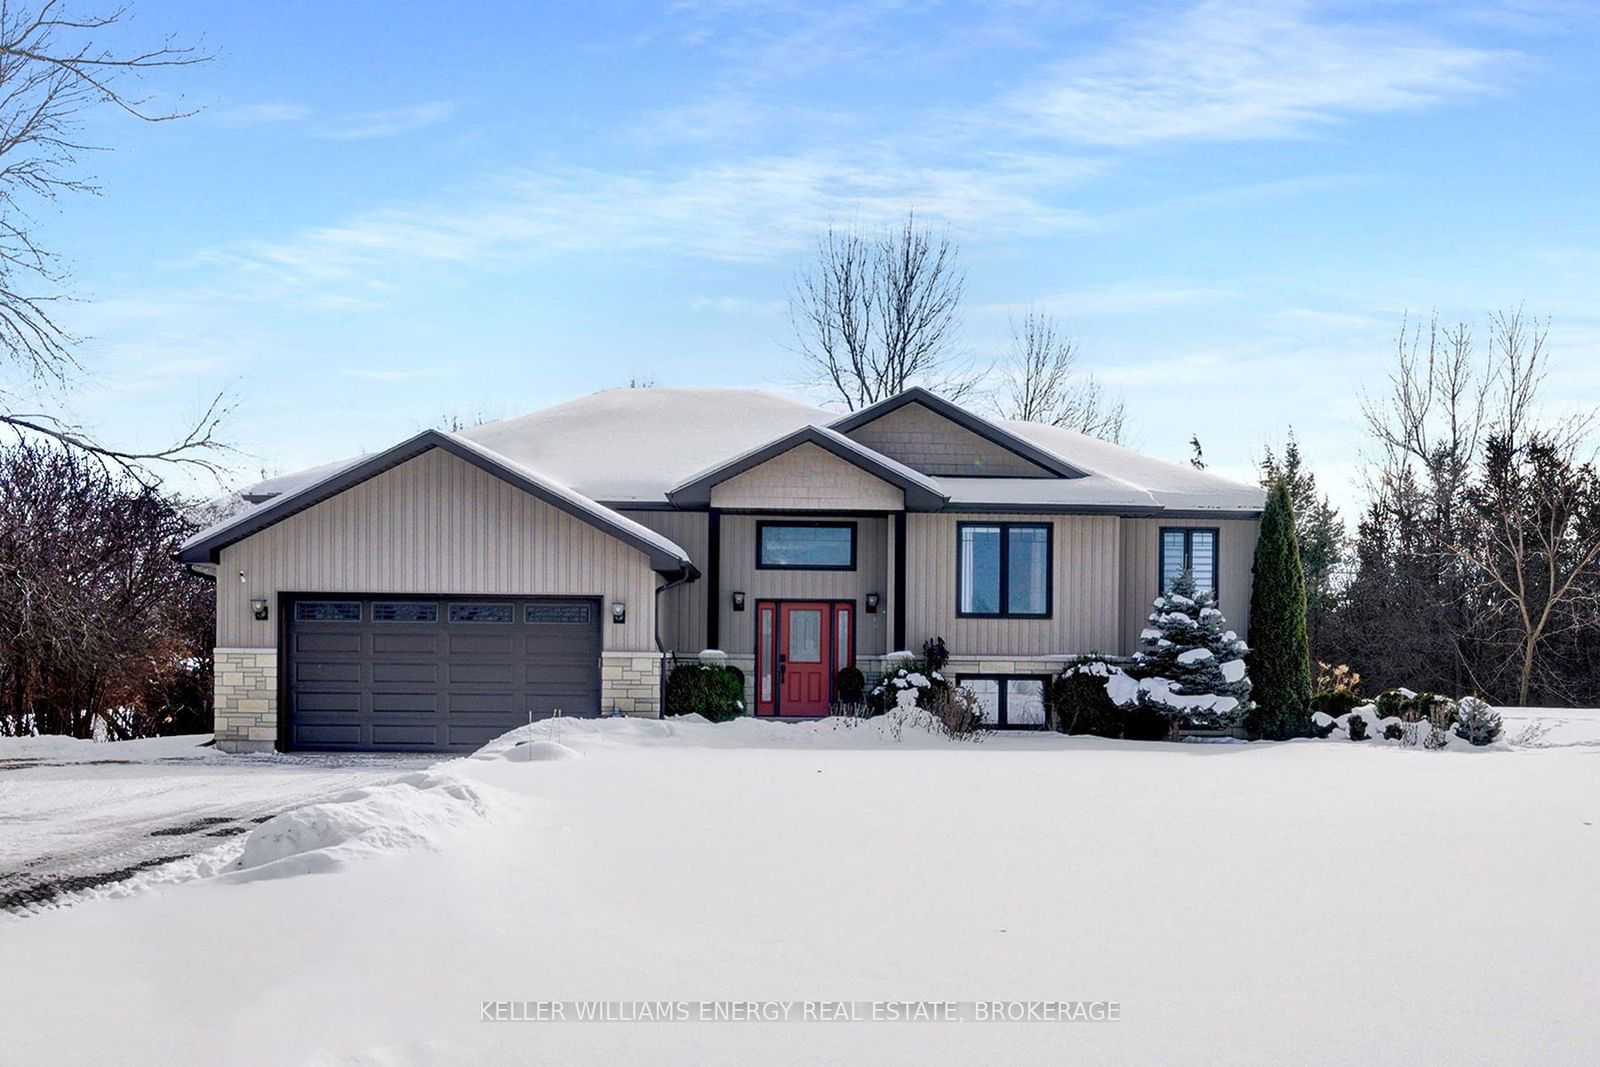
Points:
(926, 441)
(739, 571)
(1086, 602)
(683, 607)
(807, 477)
(1141, 547)
(437, 525)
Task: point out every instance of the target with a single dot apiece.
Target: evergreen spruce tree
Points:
(1280, 661)
(1189, 667)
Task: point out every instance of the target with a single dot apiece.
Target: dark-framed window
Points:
(1009, 701)
(327, 611)
(1004, 569)
(495, 613)
(405, 611)
(1191, 548)
(574, 613)
(806, 546)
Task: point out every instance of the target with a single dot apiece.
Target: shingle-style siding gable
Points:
(807, 477)
(928, 442)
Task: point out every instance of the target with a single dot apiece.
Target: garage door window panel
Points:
(327, 611)
(485, 613)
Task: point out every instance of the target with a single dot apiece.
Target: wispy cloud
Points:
(387, 122)
(242, 116)
(1233, 71)
(748, 211)
(352, 126)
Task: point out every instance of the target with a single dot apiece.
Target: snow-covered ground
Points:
(79, 818)
(1301, 902)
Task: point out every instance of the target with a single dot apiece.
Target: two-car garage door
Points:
(389, 673)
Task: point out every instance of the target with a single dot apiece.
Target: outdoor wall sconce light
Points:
(619, 611)
(738, 600)
(258, 608)
(872, 603)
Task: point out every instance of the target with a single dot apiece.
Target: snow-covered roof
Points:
(635, 446)
(665, 554)
(922, 491)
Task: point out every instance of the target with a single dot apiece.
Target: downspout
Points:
(689, 574)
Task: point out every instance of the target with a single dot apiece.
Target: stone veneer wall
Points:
(246, 699)
(631, 683)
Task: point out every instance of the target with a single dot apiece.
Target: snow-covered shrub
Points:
(916, 677)
(935, 654)
(1189, 667)
(1393, 732)
(1357, 727)
(1477, 722)
(1394, 703)
(1336, 702)
(703, 689)
(956, 709)
(1080, 704)
(1322, 724)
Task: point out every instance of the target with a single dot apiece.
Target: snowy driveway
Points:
(77, 816)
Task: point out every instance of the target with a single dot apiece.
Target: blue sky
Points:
(389, 213)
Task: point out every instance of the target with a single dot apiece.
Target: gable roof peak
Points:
(988, 429)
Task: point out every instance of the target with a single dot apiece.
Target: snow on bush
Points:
(417, 811)
(1476, 722)
(1190, 669)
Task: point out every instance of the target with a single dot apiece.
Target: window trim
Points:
(1005, 529)
(528, 608)
(361, 610)
(375, 604)
(495, 603)
(762, 526)
(1002, 712)
(1188, 555)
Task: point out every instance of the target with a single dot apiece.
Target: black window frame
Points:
(376, 617)
(360, 615)
(1005, 529)
(762, 525)
(509, 620)
(559, 605)
(1002, 713)
(1188, 556)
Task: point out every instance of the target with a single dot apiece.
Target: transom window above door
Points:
(1003, 569)
(814, 546)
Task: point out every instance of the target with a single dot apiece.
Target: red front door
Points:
(803, 658)
(800, 645)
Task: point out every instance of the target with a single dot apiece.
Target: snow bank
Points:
(418, 811)
(72, 750)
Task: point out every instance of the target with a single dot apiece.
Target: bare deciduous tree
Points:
(55, 69)
(1536, 545)
(99, 632)
(1043, 382)
(880, 311)
(1479, 553)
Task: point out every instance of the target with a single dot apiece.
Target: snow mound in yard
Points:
(534, 752)
(417, 811)
(552, 740)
